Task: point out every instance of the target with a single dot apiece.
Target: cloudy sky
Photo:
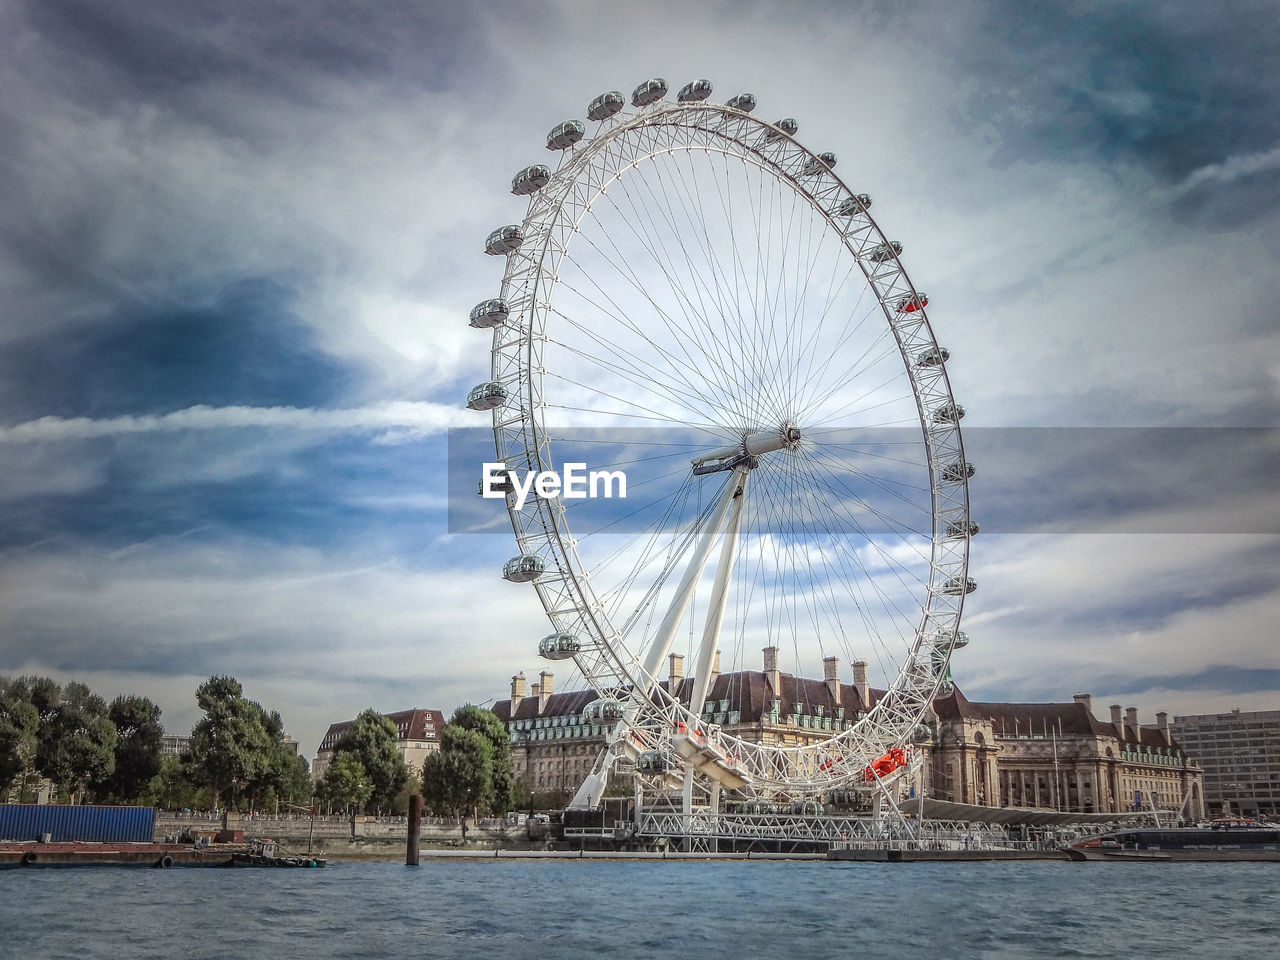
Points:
(239, 241)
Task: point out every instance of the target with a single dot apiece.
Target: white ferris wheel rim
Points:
(522, 439)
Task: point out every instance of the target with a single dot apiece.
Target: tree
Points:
(137, 749)
(230, 745)
(486, 723)
(346, 783)
(371, 739)
(458, 778)
(19, 722)
(76, 740)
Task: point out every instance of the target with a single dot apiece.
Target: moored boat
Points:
(1221, 840)
(266, 853)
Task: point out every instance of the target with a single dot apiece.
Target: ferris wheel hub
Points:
(786, 436)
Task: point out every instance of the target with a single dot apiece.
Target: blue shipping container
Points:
(24, 821)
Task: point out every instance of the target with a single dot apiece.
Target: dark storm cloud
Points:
(245, 348)
(325, 492)
(166, 51)
(1226, 679)
(1173, 87)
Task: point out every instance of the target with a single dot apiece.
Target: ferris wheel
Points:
(697, 300)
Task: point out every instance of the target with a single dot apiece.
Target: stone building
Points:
(1049, 755)
(1240, 754)
(1058, 756)
(417, 735)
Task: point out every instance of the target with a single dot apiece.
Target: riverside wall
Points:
(360, 838)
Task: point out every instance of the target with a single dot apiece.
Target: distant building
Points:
(1240, 754)
(173, 745)
(417, 736)
(1056, 756)
(1059, 756)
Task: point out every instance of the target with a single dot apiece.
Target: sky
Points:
(239, 243)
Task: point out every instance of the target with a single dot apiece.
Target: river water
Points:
(574, 910)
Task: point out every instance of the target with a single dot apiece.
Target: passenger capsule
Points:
(855, 204)
(807, 808)
(694, 91)
(651, 91)
(746, 102)
(957, 586)
(559, 646)
(922, 733)
(946, 688)
(602, 711)
(651, 761)
(912, 302)
(486, 396)
(933, 357)
(819, 164)
(960, 640)
(948, 413)
(504, 240)
(956, 529)
(523, 569)
(787, 126)
(565, 135)
(530, 180)
(759, 806)
(502, 483)
(958, 471)
(606, 105)
(489, 313)
(884, 251)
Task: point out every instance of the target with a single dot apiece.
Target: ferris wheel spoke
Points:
(667, 320)
(648, 232)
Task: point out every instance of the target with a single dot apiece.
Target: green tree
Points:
(458, 778)
(371, 739)
(231, 745)
(346, 783)
(173, 789)
(137, 750)
(19, 722)
(486, 723)
(76, 740)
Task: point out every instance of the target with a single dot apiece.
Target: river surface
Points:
(574, 910)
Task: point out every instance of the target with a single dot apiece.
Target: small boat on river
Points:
(1220, 840)
(266, 853)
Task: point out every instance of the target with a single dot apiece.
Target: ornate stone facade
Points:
(1055, 756)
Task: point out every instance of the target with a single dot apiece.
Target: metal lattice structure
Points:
(663, 278)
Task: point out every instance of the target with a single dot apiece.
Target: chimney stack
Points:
(771, 670)
(1086, 699)
(1116, 719)
(1131, 722)
(1162, 724)
(517, 692)
(831, 674)
(676, 673)
(860, 682)
(544, 690)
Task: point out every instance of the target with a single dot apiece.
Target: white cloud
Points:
(421, 418)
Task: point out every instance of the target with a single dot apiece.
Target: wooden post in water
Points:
(415, 830)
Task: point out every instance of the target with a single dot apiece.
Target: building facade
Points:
(1058, 756)
(1240, 754)
(1050, 756)
(417, 736)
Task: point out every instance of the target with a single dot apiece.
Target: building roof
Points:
(1068, 719)
(415, 724)
(749, 692)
